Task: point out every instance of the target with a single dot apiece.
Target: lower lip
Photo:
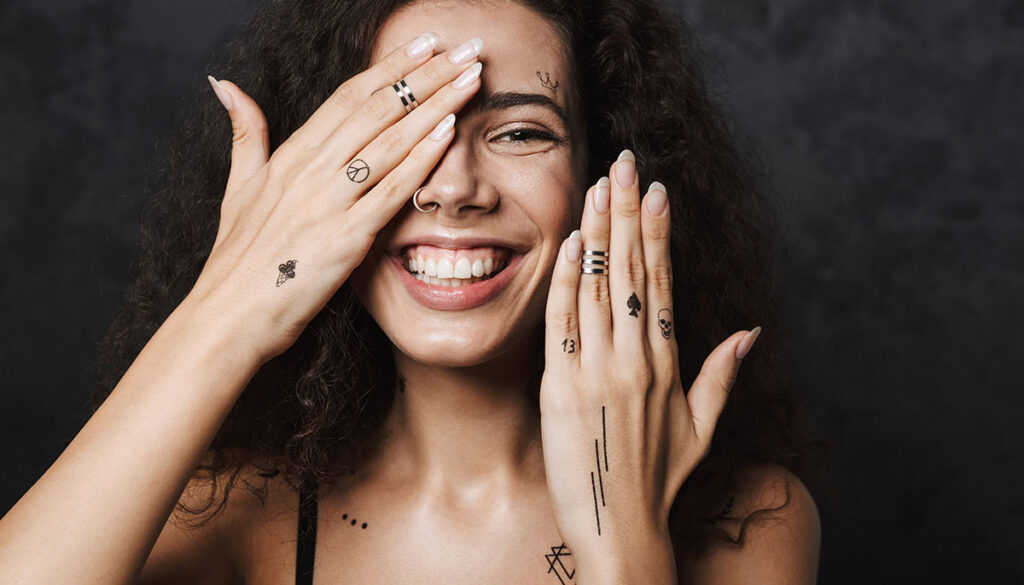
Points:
(455, 298)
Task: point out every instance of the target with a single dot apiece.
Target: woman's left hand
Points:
(619, 434)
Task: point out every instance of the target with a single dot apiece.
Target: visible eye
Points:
(522, 135)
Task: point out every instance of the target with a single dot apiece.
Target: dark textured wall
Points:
(893, 130)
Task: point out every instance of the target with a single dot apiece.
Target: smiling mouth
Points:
(454, 268)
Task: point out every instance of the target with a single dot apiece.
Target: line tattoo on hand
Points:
(287, 270)
(569, 345)
(545, 80)
(600, 446)
(358, 171)
(633, 304)
(556, 563)
(665, 323)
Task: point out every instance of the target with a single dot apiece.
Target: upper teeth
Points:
(444, 268)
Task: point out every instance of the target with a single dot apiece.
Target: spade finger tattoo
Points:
(633, 304)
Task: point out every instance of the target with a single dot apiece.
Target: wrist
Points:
(645, 559)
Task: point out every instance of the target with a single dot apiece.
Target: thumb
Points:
(250, 138)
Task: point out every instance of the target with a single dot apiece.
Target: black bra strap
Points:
(306, 547)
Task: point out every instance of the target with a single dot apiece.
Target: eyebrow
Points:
(501, 100)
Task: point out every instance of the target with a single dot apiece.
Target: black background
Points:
(893, 133)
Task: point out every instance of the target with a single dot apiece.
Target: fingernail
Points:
(468, 76)
(625, 169)
(443, 128)
(601, 195)
(422, 45)
(747, 342)
(466, 51)
(222, 94)
(574, 247)
(657, 199)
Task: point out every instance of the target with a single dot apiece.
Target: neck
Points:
(458, 429)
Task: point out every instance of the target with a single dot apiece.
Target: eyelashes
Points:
(527, 136)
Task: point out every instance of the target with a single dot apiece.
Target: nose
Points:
(457, 184)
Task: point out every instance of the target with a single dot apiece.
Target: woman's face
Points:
(509, 190)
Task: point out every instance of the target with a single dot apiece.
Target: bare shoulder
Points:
(199, 542)
(781, 542)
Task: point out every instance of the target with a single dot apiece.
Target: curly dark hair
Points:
(315, 411)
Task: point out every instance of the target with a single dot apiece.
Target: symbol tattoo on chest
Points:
(600, 447)
(556, 563)
(286, 270)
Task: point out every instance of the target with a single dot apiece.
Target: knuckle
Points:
(636, 270)
(378, 107)
(661, 280)
(436, 73)
(565, 324)
(394, 67)
(344, 97)
(628, 208)
(597, 290)
(389, 140)
(389, 186)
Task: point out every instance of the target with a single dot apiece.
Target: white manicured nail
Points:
(423, 44)
(443, 128)
(468, 76)
(466, 51)
(221, 93)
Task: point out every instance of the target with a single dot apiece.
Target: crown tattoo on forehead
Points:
(545, 80)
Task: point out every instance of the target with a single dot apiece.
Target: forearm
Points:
(94, 515)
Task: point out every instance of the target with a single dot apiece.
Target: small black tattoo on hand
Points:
(358, 171)
(633, 304)
(287, 270)
(665, 323)
(569, 345)
(545, 80)
(599, 446)
(556, 563)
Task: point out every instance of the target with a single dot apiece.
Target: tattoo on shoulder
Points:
(353, 521)
(545, 80)
(286, 271)
(557, 559)
(259, 488)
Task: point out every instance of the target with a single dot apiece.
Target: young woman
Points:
(468, 308)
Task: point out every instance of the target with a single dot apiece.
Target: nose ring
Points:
(417, 205)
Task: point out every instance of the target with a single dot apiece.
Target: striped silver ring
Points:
(594, 262)
(405, 94)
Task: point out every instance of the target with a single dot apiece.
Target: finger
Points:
(627, 282)
(250, 138)
(354, 92)
(387, 150)
(376, 117)
(710, 390)
(595, 320)
(656, 228)
(376, 208)
(561, 340)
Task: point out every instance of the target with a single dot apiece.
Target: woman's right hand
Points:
(295, 225)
